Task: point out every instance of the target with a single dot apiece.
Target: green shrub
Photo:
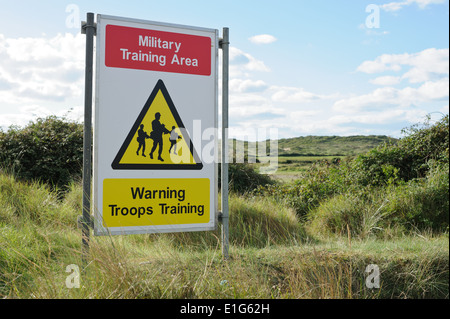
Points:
(243, 178)
(49, 149)
(305, 193)
(427, 142)
(381, 166)
(409, 158)
(422, 204)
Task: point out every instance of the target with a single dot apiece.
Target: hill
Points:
(319, 145)
(330, 145)
(299, 153)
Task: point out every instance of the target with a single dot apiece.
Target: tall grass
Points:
(419, 204)
(257, 222)
(271, 256)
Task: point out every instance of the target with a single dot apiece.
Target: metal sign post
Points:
(224, 45)
(85, 222)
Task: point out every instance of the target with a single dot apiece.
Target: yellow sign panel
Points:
(152, 202)
(158, 138)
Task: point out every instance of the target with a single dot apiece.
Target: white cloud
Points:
(394, 6)
(385, 98)
(434, 90)
(373, 117)
(427, 63)
(245, 86)
(41, 76)
(422, 4)
(296, 111)
(293, 95)
(385, 62)
(25, 114)
(408, 104)
(42, 68)
(424, 66)
(444, 109)
(241, 62)
(386, 80)
(249, 100)
(252, 110)
(411, 86)
(263, 39)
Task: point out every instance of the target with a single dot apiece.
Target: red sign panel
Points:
(143, 49)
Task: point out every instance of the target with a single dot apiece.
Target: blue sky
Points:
(329, 67)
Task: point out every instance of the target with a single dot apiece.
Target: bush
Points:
(422, 204)
(305, 193)
(406, 160)
(244, 179)
(49, 150)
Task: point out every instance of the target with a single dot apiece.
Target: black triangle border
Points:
(151, 166)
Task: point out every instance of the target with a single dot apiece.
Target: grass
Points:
(272, 255)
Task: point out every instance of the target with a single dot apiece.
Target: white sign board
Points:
(154, 127)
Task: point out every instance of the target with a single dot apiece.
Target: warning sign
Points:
(151, 202)
(155, 127)
(158, 138)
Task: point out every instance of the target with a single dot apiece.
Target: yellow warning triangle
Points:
(158, 138)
